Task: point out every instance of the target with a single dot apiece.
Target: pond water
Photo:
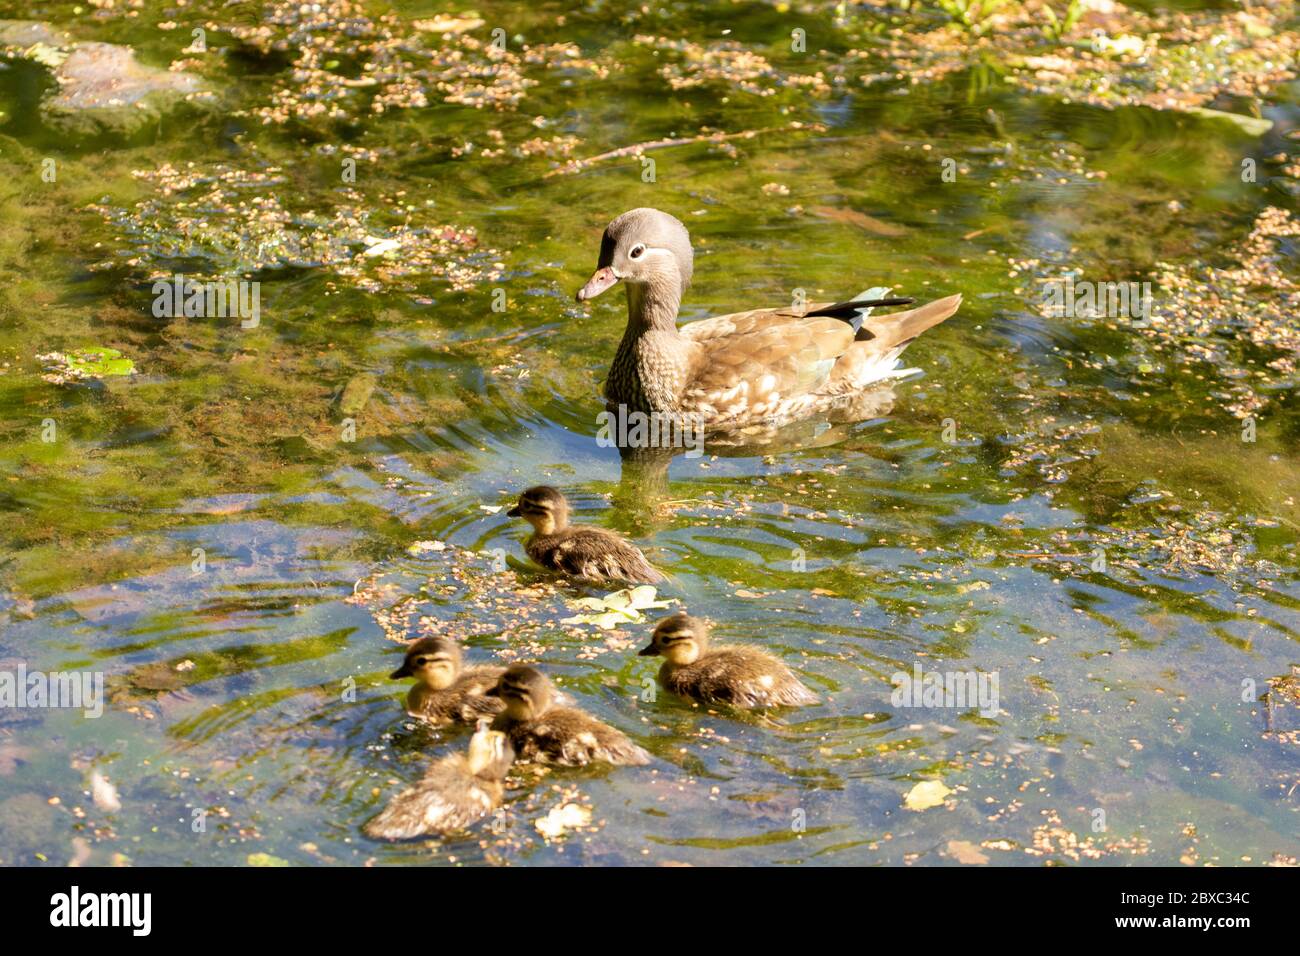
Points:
(1102, 515)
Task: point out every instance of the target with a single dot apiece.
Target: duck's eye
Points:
(636, 251)
(421, 661)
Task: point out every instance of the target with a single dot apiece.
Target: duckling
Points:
(743, 677)
(445, 691)
(593, 554)
(545, 733)
(454, 793)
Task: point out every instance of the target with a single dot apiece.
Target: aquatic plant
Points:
(1057, 27)
(972, 14)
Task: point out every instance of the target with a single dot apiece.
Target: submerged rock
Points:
(27, 33)
(102, 87)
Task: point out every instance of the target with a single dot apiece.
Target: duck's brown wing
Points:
(740, 323)
(753, 374)
(758, 320)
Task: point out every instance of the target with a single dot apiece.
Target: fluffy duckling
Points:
(445, 691)
(545, 733)
(454, 793)
(580, 551)
(743, 677)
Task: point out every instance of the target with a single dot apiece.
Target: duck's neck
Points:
(652, 306)
(648, 370)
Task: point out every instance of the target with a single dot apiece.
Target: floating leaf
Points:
(356, 393)
(964, 852)
(380, 247)
(265, 859)
(930, 793)
(82, 364)
(563, 817)
(418, 548)
(620, 607)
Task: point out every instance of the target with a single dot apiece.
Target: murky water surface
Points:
(1065, 502)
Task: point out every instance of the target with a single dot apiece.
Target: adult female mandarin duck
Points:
(764, 365)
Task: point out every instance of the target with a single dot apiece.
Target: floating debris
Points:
(927, 794)
(237, 221)
(82, 365)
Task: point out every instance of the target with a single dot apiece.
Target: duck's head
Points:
(526, 692)
(544, 508)
(490, 753)
(679, 638)
(643, 247)
(433, 661)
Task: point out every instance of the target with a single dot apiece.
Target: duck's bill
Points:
(514, 512)
(600, 280)
(401, 672)
(647, 651)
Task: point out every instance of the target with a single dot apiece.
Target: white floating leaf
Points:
(563, 817)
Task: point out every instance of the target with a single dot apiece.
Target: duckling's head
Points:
(526, 692)
(433, 661)
(544, 508)
(679, 638)
(490, 753)
(642, 247)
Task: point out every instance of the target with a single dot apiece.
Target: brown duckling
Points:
(592, 554)
(445, 691)
(743, 677)
(545, 733)
(454, 793)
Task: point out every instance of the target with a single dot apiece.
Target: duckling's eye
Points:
(636, 251)
(421, 661)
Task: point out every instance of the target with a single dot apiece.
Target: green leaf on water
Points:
(81, 364)
(265, 859)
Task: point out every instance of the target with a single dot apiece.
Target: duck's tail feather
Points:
(898, 329)
(874, 356)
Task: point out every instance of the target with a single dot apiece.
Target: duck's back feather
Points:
(447, 798)
(571, 738)
(463, 702)
(744, 677)
(592, 554)
(769, 364)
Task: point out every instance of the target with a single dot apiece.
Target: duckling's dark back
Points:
(572, 738)
(594, 554)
